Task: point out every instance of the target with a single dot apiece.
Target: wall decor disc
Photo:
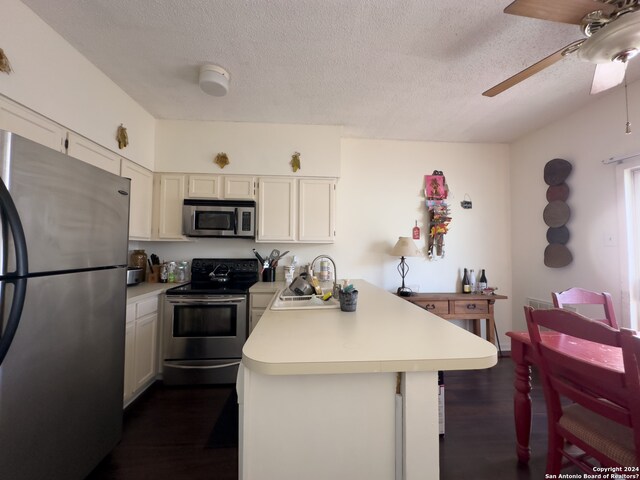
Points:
(557, 256)
(556, 171)
(556, 214)
(558, 192)
(558, 235)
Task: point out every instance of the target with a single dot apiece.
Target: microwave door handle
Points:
(235, 222)
(10, 213)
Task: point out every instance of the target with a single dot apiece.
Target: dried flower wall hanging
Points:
(436, 192)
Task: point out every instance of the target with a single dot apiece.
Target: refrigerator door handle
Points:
(10, 213)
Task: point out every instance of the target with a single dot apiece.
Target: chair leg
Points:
(554, 455)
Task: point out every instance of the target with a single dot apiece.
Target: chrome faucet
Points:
(335, 273)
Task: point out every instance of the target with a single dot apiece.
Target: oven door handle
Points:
(199, 367)
(187, 300)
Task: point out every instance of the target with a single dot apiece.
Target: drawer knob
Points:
(471, 306)
(430, 306)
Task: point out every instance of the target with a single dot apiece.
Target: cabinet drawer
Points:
(260, 300)
(434, 306)
(470, 306)
(145, 307)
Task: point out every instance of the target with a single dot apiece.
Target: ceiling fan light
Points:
(214, 80)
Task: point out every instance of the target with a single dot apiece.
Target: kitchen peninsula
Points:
(317, 390)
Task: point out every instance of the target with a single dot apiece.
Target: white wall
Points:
(584, 138)
(52, 78)
(252, 148)
(380, 195)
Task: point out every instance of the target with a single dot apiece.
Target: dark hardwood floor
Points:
(169, 432)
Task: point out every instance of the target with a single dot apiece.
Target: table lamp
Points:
(405, 247)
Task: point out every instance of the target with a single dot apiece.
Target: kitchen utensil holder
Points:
(269, 274)
(348, 300)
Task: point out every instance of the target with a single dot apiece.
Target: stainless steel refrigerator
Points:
(63, 257)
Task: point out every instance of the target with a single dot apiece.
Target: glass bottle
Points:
(472, 279)
(466, 286)
(482, 283)
(138, 259)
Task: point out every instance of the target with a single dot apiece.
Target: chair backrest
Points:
(595, 387)
(579, 296)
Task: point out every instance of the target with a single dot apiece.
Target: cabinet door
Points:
(141, 197)
(316, 222)
(204, 186)
(239, 188)
(168, 205)
(276, 210)
(129, 352)
(29, 124)
(145, 349)
(92, 153)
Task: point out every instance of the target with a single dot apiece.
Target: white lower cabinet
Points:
(141, 346)
(258, 303)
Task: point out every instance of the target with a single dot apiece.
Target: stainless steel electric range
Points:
(206, 322)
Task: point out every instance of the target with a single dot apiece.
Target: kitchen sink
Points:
(302, 302)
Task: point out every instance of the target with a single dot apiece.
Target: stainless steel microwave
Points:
(219, 218)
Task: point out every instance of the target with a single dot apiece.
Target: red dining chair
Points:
(579, 296)
(631, 357)
(598, 417)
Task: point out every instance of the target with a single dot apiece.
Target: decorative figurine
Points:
(221, 160)
(5, 66)
(295, 161)
(122, 137)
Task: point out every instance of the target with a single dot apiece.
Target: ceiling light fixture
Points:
(214, 80)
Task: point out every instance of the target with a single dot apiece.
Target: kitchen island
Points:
(346, 395)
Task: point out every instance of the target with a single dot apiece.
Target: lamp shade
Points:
(214, 80)
(405, 247)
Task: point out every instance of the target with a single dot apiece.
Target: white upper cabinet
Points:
(296, 210)
(277, 212)
(84, 149)
(140, 199)
(204, 186)
(29, 124)
(240, 187)
(317, 207)
(169, 194)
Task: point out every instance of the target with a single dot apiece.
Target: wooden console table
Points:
(461, 306)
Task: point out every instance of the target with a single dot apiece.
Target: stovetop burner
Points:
(220, 276)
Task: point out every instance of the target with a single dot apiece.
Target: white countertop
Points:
(384, 334)
(146, 289)
(266, 287)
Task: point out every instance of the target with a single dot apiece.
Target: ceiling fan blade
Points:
(608, 75)
(526, 73)
(566, 11)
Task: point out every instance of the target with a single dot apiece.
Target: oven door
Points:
(204, 327)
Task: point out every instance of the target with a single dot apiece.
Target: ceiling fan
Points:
(612, 37)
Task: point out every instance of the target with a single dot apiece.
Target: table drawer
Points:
(470, 306)
(434, 306)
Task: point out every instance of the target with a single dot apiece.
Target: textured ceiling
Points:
(411, 70)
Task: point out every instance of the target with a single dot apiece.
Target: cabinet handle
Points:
(471, 306)
(430, 306)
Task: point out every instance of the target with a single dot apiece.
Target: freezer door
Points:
(74, 215)
(61, 383)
